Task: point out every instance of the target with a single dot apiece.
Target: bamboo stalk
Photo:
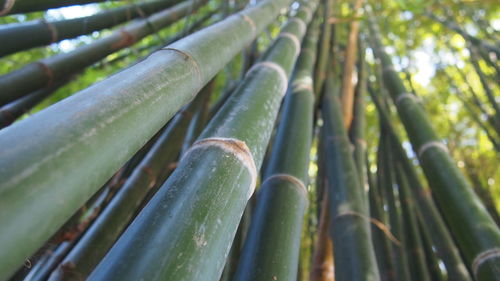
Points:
(476, 233)
(45, 72)
(25, 6)
(94, 244)
(65, 152)
(347, 91)
(26, 35)
(414, 247)
(428, 212)
(352, 246)
(272, 246)
(323, 47)
(200, 205)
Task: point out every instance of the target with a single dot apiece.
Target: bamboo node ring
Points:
(189, 58)
(404, 96)
(250, 22)
(235, 147)
(292, 179)
(483, 257)
(274, 66)
(294, 39)
(422, 149)
(48, 71)
(52, 29)
(301, 23)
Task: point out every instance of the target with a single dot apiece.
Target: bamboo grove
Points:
(248, 140)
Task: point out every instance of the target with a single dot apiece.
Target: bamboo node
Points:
(422, 149)
(250, 22)
(483, 257)
(52, 29)
(294, 39)
(7, 7)
(404, 96)
(126, 39)
(48, 71)
(388, 68)
(292, 179)
(299, 86)
(301, 23)
(233, 146)
(274, 66)
(380, 225)
(191, 59)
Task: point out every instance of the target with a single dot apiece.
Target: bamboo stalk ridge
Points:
(200, 205)
(46, 71)
(273, 241)
(26, 6)
(23, 36)
(476, 233)
(60, 159)
(323, 47)
(350, 230)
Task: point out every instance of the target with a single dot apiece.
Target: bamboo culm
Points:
(476, 233)
(46, 71)
(118, 115)
(23, 36)
(427, 210)
(272, 245)
(354, 256)
(25, 6)
(200, 205)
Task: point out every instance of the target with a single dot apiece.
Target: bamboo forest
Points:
(250, 140)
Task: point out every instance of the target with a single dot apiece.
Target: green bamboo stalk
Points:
(357, 128)
(431, 257)
(66, 152)
(198, 120)
(381, 244)
(73, 229)
(350, 230)
(25, 6)
(12, 111)
(398, 255)
(94, 244)
(185, 231)
(476, 233)
(44, 72)
(413, 247)
(428, 212)
(23, 36)
(323, 47)
(272, 246)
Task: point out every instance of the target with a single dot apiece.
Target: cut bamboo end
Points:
(276, 67)
(294, 38)
(423, 148)
(235, 147)
(291, 179)
(483, 257)
(188, 57)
